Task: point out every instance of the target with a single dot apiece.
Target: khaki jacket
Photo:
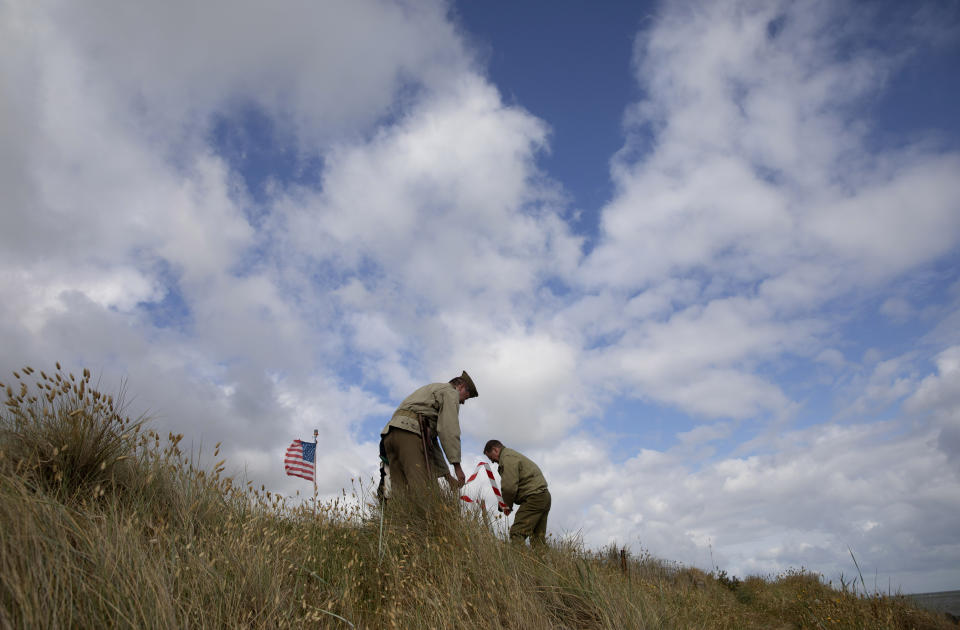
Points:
(439, 404)
(519, 477)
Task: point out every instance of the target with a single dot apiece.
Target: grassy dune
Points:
(105, 524)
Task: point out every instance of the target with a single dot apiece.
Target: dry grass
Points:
(104, 524)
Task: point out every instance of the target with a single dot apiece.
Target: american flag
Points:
(299, 460)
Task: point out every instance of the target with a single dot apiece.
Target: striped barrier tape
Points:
(493, 484)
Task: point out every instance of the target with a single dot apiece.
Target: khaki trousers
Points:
(408, 471)
(531, 520)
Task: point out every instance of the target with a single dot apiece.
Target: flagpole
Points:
(315, 458)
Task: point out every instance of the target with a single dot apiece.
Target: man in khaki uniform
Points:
(521, 482)
(434, 409)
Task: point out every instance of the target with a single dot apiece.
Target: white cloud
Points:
(871, 487)
(323, 70)
(696, 358)
(937, 401)
(940, 390)
(895, 224)
(832, 357)
(720, 184)
(455, 209)
(530, 387)
(40, 293)
(746, 175)
(897, 309)
(430, 216)
(705, 433)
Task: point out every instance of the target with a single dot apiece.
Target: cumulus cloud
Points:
(940, 390)
(321, 70)
(533, 385)
(141, 254)
(750, 202)
(870, 487)
(455, 205)
(747, 175)
(937, 401)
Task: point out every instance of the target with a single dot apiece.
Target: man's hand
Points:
(452, 482)
(462, 478)
(506, 511)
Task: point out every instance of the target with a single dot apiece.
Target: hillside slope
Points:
(105, 524)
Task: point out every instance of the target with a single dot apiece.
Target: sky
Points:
(702, 259)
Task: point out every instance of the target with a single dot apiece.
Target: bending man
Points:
(410, 438)
(521, 482)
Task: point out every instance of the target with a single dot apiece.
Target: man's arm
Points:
(509, 478)
(448, 429)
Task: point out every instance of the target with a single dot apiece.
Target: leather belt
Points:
(406, 412)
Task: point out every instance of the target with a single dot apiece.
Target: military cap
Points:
(471, 388)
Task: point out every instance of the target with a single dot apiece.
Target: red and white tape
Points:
(493, 484)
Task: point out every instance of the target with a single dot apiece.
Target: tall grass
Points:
(105, 524)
